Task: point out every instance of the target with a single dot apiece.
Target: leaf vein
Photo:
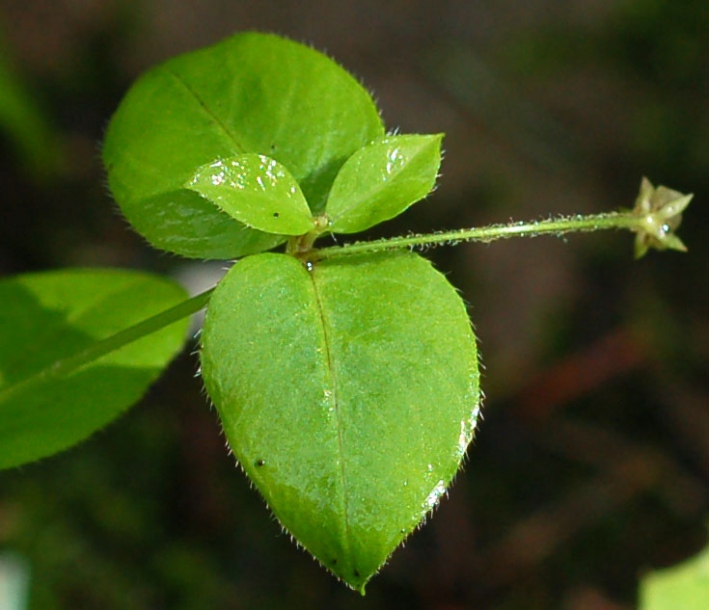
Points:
(207, 110)
(335, 401)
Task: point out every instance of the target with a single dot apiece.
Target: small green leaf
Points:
(682, 587)
(348, 390)
(251, 93)
(257, 191)
(381, 180)
(49, 317)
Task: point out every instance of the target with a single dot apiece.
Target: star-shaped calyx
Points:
(659, 211)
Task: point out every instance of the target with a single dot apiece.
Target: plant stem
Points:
(133, 333)
(558, 226)
(94, 351)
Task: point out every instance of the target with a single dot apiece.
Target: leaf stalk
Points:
(96, 350)
(654, 218)
(557, 226)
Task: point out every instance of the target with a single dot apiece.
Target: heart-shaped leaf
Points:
(251, 93)
(381, 180)
(257, 191)
(348, 391)
(48, 318)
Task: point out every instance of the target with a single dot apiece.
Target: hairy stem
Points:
(555, 226)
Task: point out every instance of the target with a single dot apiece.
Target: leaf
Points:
(251, 93)
(348, 393)
(257, 191)
(48, 317)
(685, 586)
(381, 180)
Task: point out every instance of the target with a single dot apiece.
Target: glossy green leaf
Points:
(50, 317)
(381, 180)
(251, 93)
(257, 191)
(681, 587)
(348, 392)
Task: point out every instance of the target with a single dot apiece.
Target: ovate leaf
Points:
(251, 93)
(382, 179)
(50, 317)
(256, 191)
(348, 391)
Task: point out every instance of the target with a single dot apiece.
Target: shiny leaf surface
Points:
(256, 191)
(381, 180)
(348, 392)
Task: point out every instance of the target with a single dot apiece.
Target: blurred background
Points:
(591, 465)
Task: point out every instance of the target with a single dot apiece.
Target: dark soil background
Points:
(592, 463)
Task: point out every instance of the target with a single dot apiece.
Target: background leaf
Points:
(684, 586)
(257, 191)
(25, 121)
(348, 393)
(250, 93)
(53, 315)
(382, 179)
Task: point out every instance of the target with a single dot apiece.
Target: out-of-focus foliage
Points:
(50, 398)
(685, 586)
(24, 121)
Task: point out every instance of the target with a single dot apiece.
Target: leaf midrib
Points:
(238, 147)
(335, 401)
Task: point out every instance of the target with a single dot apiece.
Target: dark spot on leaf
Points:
(357, 574)
(260, 463)
(276, 214)
(333, 562)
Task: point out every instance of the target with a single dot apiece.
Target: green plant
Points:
(345, 377)
(683, 586)
(24, 122)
